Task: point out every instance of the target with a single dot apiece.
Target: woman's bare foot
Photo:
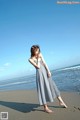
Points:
(63, 104)
(48, 110)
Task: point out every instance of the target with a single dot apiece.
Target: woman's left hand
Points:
(49, 74)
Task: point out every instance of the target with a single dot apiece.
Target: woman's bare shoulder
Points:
(31, 59)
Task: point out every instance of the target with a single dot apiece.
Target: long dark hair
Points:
(33, 50)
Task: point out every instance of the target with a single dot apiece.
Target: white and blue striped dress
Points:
(46, 87)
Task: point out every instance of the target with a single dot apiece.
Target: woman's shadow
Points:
(22, 107)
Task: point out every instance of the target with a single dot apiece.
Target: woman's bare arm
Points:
(36, 65)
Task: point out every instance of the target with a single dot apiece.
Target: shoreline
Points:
(24, 105)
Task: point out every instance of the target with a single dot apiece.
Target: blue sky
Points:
(56, 28)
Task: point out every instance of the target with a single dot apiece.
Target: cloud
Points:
(7, 64)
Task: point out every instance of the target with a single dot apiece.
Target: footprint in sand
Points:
(77, 108)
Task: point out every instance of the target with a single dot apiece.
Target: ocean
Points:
(66, 79)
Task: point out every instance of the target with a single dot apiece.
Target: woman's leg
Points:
(46, 109)
(61, 102)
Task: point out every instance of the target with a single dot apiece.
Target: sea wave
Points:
(67, 79)
(68, 68)
(17, 83)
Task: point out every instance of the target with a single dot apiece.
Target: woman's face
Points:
(37, 52)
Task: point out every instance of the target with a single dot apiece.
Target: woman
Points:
(46, 88)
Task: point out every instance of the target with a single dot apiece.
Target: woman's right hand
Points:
(49, 74)
(39, 55)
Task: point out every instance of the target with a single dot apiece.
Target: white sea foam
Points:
(68, 68)
(17, 83)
